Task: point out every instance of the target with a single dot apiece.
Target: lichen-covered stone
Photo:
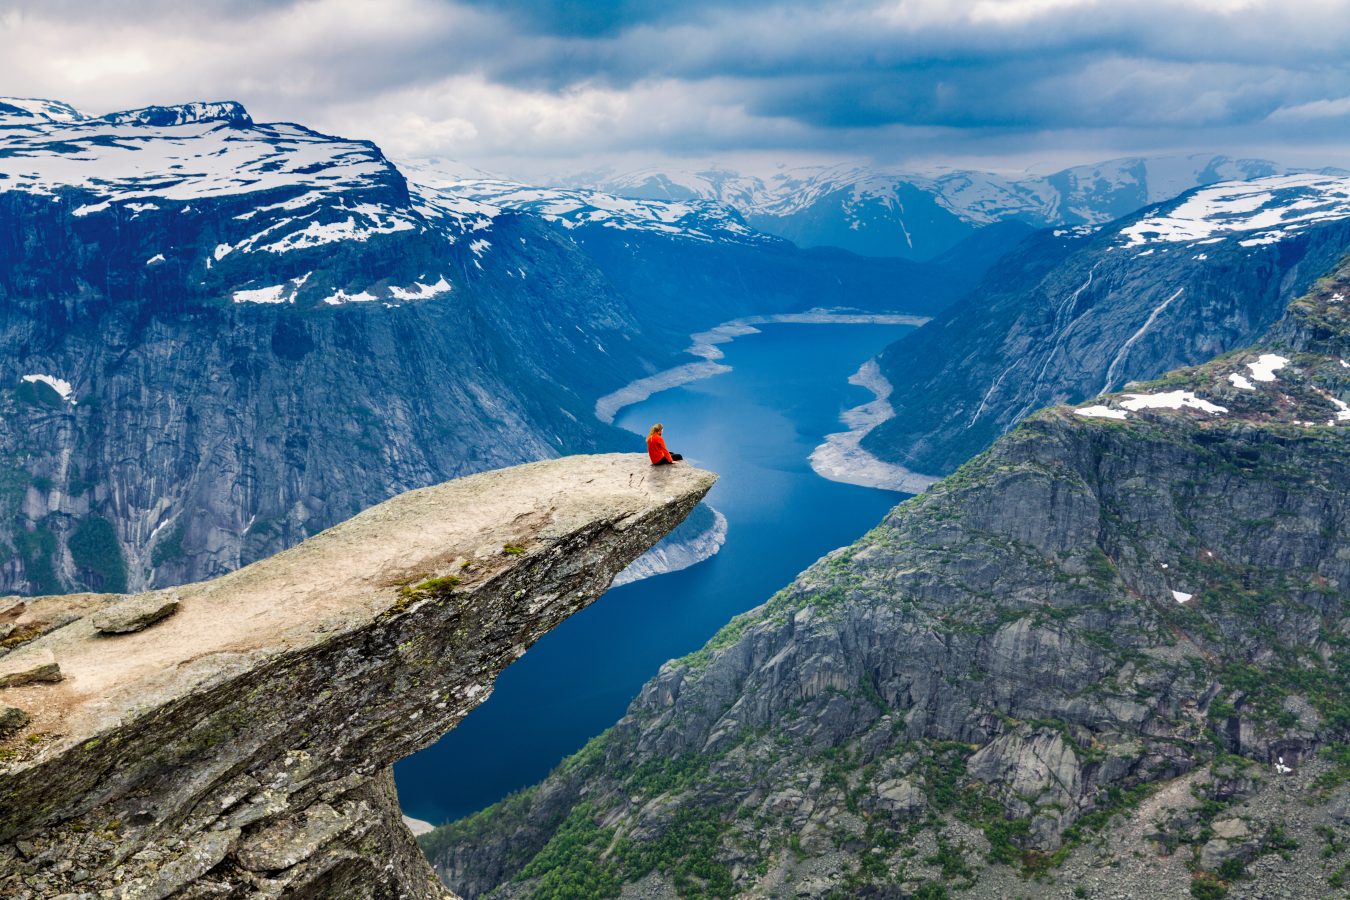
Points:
(244, 744)
(11, 719)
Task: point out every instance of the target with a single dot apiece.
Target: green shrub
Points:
(1205, 886)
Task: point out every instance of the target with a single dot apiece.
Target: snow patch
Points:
(274, 294)
(1342, 410)
(420, 291)
(157, 258)
(1170, 400)
(1266, 366)
(1181, 596)
(316, 234)
(1240, 381)
(340, 297)
(60, 385)
(1100, 412)
(1270, 237)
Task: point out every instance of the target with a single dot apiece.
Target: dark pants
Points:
(665, 462)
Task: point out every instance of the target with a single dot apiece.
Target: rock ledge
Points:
(241, 747)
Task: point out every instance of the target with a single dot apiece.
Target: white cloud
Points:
(1316, 109)
(935, 79)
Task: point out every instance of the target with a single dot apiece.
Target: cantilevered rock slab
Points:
(135, 613)
(248, 737)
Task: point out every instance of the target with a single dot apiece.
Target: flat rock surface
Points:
(336, 581)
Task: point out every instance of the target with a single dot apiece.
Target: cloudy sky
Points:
(530, 88)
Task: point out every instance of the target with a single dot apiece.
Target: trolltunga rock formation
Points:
(242, 745)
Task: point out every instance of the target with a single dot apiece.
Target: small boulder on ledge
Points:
(29, 668)
(135, 613)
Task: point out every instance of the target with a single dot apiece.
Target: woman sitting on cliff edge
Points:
(656, 448)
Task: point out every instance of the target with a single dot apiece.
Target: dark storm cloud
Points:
(572, 79)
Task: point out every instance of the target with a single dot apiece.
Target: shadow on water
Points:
(756, 427)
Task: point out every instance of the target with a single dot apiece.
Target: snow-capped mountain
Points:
(1265, 211)
(1078, 311)
(295, 195)
(23, 110)
(691, 259)
(570, 208)
(921, 215)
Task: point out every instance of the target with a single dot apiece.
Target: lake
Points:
(756, 427)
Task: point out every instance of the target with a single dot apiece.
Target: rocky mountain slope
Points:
(1075, 312)
(1108, 657)
(221, 336)
(233, 737)
(920, 215)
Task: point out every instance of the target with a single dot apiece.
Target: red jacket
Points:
(656, 448)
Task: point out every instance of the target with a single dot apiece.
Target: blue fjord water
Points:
(755, 426)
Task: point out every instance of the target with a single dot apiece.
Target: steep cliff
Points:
(233, 737)
(1072, 313)
(1111, 654)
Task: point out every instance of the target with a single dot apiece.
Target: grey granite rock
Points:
(135, 613)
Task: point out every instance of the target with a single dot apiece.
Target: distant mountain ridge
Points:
(570, 208)
(920, 215)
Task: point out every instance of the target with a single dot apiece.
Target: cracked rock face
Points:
(241, 746)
